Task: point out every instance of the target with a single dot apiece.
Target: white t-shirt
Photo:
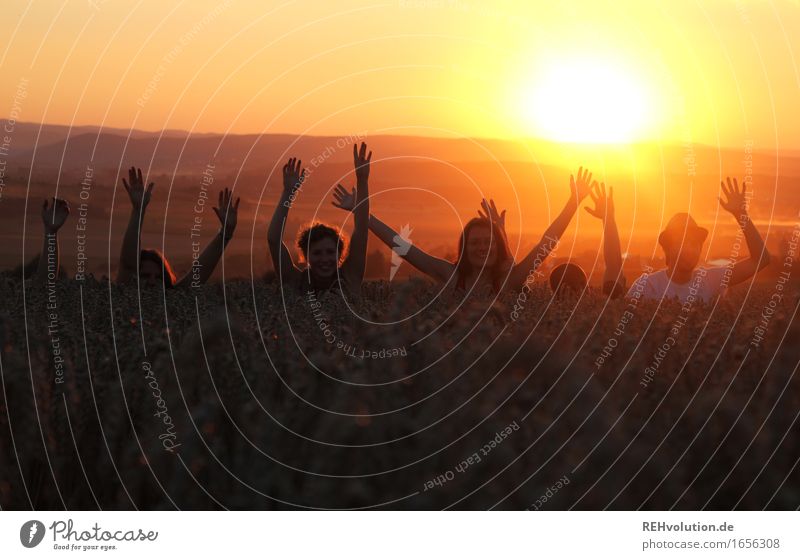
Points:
(705, 284)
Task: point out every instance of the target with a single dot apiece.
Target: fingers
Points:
(236, 206)
(584, 176)
(594, 193)
(731, 188)
(125, 184)
(360, 156)
(150, 187)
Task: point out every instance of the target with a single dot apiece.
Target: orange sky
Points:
(716, 72)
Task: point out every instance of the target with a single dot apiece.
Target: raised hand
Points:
(361, 161)
(227, 211)
(489, 212)
(55, 215)
(736, 199)
(293, 175)
(344, 199)
(140, 197)
(582, 186)
(603, 202)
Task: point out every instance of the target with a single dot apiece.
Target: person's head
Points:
(682, 241)
(323, 248)
(482, 246)
(153, 266)
(567, 277)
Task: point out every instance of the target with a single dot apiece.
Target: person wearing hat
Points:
(682, 241)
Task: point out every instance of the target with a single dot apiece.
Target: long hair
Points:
(497, 269)
(156, 256)
(318, 231)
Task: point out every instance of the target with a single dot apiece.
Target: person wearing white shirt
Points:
(682, 241)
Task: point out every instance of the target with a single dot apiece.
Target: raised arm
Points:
(612, 252)
(227, 212)
(436, 268)
(293, 177)
(53, 218)
(353, 267)
(580, 188)
(736, 204)
(131, 247)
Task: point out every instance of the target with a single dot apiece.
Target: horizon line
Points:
(110, 130)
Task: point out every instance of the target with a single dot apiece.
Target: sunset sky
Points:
(717, 72)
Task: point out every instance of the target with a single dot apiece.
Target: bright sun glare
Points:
(587, 101)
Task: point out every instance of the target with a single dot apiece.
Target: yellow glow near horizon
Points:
(585, 100)
(580, 71)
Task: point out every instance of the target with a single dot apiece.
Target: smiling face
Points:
(323, 257)
(481, 247)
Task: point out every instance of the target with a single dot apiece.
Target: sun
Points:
(590, 101)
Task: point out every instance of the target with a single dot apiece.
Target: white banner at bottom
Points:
(399, 535)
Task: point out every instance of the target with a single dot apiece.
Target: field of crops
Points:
(236, 396)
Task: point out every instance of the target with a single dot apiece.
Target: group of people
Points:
(484, 261)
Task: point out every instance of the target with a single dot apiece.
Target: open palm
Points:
(55, 215)
(227, 211)
(489, 212)
(735, 198)
(344, 199)
(293, 175)
(603, 202)
(139, 195)
(582, 185)
(361, 161)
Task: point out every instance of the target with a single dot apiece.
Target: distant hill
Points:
(433, 184)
